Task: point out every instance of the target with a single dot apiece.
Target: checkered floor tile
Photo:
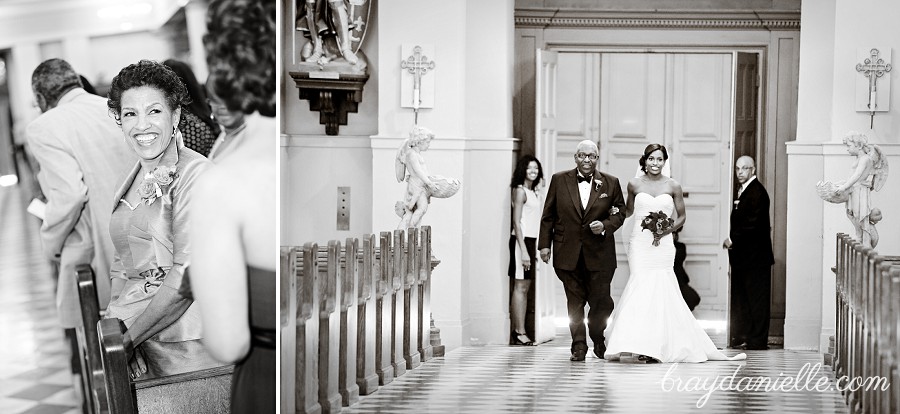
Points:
(34, 363)
(541, 379)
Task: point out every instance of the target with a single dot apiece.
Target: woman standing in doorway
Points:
(526, 223)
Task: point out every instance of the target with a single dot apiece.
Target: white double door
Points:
(626, 101)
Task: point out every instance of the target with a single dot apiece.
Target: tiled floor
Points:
(34, 360)
(500, 379)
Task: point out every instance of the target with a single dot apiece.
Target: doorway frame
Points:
(779, 75)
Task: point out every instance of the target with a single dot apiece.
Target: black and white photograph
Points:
(469, 206)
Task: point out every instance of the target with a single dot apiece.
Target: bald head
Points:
(586, 155)
(744, 168)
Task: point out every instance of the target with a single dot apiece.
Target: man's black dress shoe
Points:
(755, 347)
(578, 355)
(599, 352)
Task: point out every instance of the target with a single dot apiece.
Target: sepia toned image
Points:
(587, 206)
(137, 162)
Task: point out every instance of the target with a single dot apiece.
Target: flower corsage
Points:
(155, 182)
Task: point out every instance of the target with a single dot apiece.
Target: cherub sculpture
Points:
(870, 171)
(420, 187)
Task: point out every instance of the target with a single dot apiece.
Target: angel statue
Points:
(870, 171)
(420, 186)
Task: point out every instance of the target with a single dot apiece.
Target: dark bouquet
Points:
(657, 222)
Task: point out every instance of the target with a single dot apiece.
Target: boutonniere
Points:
(597, 184)
(604, 195)
(155, 182)
(614, 210)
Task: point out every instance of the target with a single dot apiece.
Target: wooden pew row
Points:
(338, 357)
(867, 295)
(93, 382)
(109, 387)
(206, 391)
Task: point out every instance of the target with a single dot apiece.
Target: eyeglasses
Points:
(592, 157)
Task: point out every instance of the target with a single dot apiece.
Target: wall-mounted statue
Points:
(420, 187)
(334, 29)
(870, 171)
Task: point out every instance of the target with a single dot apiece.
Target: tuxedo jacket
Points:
(565, 224)
(750, 228)
(82, 157)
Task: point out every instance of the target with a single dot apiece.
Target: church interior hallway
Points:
(541, 379)
(34, 357)
(35, 376)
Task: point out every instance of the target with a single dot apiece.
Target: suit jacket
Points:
(750, 229)
(82, 158)
(566, 223)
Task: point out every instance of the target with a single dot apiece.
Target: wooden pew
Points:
(411, 301)
(384, 296)
(366, 378)
(92, 380)
(205, 391)
(338, 357)
(288, 330)
(306, 268)
(329, 331)
(347, 365)
(867, 337)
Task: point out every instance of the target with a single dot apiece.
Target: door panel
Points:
(544, 287)
(700, 161)
(682, 101)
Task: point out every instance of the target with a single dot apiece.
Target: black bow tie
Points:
(584, 179)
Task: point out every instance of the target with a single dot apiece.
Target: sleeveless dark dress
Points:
(253, 382)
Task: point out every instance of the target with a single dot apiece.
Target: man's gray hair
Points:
(53, 78)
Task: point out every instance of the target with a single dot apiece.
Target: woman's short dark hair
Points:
(649, 150)
(240, 53)
(151, 74)
(518, 177)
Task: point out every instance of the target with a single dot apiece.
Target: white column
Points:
(23, 59)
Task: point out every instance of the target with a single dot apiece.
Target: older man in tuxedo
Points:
(583, 208)
(750, 253)
(83, 158)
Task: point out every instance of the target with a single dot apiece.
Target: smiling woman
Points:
(149, 225)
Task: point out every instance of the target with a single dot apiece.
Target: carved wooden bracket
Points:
(332, 94)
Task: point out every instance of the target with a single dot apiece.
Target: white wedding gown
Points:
(651, 317)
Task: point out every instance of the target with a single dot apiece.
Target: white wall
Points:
(831, 33)
(472, 119)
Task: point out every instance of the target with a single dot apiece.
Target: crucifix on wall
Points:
(875, 63)
(416, 89)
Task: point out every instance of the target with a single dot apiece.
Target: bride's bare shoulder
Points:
(674, 185)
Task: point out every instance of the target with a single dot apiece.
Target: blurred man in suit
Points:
(83, 158)
(750, 253)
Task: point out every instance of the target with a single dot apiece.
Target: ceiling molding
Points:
(652, 19)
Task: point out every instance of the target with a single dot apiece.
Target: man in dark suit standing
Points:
(750, 253)
(582, 210)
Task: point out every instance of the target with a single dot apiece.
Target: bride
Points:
(651, 319)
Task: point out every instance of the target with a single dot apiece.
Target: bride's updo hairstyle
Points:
(649, 150)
